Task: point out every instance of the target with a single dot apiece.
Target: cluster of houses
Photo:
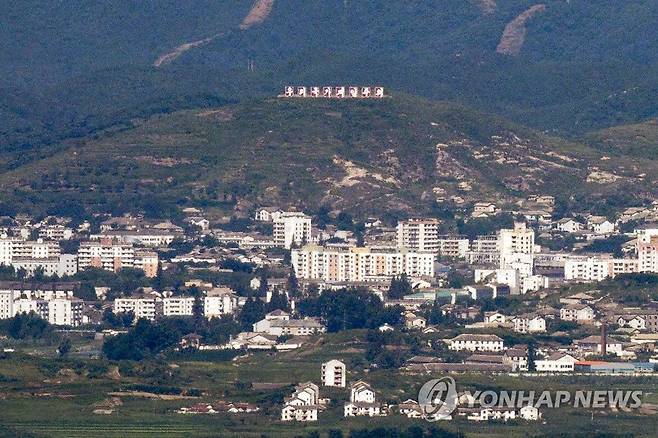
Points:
(305, 403)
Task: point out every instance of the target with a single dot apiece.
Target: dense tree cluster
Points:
(348, 309)
(26, 326)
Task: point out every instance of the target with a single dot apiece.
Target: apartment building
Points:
(420, 235)
(148, 307)
(346, 264)
(587, 268)
(55, 232)
(363, 402)
(647, 252)
(520, 239)
(219, 301)
(292, 228)
(106, 255)
(12, 248)
(453, 246)
(334, 373)
(150, 237)
(65, 264)
(147, 261)
(54, 303)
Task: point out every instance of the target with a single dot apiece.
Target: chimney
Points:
(604, 340)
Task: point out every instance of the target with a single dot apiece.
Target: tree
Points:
(64, 347)
(399, 287)
(252, 311)
(348, 309)
(293, 284)
(263, 286)
(144, 340)
(198, 310)
(278, 301)
(26, 325)
(532, 353)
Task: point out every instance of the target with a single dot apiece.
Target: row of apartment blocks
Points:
(46, 255)
(56, 304)
(350, 263)
(600, 267)
(423, 235)
(216, 303)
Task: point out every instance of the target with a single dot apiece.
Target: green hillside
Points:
(71, 68)
(638, 140)
(400, 153)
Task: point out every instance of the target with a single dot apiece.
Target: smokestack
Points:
(604, 340)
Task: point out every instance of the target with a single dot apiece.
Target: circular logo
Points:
(438, 398)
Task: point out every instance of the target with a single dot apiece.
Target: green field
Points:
(38, 399)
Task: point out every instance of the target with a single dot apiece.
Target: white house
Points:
(568, 225)
(577, 312)
(556, 363)
(303, 404)
(529, 324)
(600, 225)
(363, 401)
(494, 318)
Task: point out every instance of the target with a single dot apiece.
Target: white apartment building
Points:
(363, 401)
(65, 311)
(419, 235)
(292, 228)
(334, 373)
(178, 306)
(12, 248)
(556, 363)
(577, 312)
(106, 255)
(587, 268)
(529, 324)
(58, 307)
(520, 239)
(453, 246)
(55, 232)
(65, 264)
(147, 261)
(303, 404)
(510, 277)
(219, 301)
(359, 264)
(143, 307)
(150, 237)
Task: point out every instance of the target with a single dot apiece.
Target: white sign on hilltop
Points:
(334, 92)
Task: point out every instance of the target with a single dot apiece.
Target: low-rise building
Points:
(363, 401)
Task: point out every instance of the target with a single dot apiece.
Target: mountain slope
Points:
(75, 67)
(400, 153)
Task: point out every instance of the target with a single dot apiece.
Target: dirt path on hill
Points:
(514, 34)
(257, 15)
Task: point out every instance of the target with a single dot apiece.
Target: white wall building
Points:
(334, 373)
(359, 264)
(419, 235)
(292, 228)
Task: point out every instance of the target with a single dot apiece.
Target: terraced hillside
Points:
(400, 153)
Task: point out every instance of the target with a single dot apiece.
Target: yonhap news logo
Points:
(438, 399)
